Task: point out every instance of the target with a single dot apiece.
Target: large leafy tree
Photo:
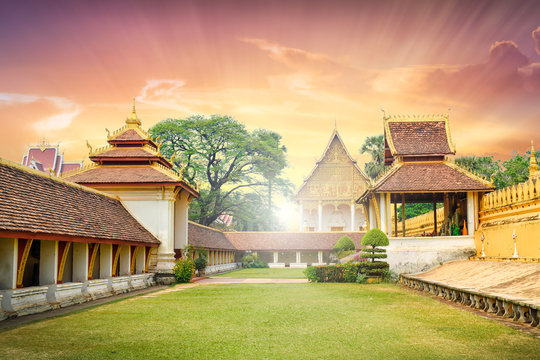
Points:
(228, 160)
(374, 146)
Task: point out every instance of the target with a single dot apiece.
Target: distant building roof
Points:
(267, 241)
(47, 158)
(39, 206)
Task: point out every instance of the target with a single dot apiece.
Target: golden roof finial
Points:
(533, 165)
(133, 120)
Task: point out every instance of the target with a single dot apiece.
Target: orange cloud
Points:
(536, 37)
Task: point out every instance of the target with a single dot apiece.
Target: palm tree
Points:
(374, 146)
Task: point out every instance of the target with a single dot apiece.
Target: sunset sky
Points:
(69, 69)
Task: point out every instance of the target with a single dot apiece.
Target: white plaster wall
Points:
(8, 263)
(407, 255)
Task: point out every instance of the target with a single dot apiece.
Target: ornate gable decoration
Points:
(335, 176)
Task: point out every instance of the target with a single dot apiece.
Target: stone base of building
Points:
(318, 264)
(215, 269)
(164, 278)
(36, 299)
(298, 265)
(276, 265)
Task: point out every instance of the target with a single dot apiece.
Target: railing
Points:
(522, 192)
(420, 224)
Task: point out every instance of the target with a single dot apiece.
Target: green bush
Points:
(361, 279)
(311, 274)
(184, 270)
(375, 237)
(348, 272)
(344, 243)
(200, 263)
(253, 261)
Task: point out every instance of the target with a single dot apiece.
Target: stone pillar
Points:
(372, 217)
(8, 263)
(140, 258)
(320, 257)
(125, 260)
(80, 262)
(352, 216)
(470, 212)
(276, 257)
(166, 234)
(298, 257)
(383, 212)
(48, 262)
(320, 217)
(388, 214)
(181, 207)
(105, 261)
(301, 216)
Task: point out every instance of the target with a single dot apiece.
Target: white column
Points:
(298, 257)
(8, 263)
(352, 217)
(48, 262)
(382, 213)
(320, 257)
(372, 217)
(276, 257)
(105, 261)
(140, 258)
(389, 214)
(301, 216)
(181, 207)
(470, 212)
(80, 262)
(320, 217)
(125, 260)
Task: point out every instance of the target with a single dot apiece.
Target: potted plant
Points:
(200, 265)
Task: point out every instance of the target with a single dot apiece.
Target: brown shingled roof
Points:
(422, 137)
(129, 135)
(292, 241)
(429, 177)
(208, 238)
(122, 174)
(41, 206)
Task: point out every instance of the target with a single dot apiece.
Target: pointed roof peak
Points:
(533, 165)
(132, 120)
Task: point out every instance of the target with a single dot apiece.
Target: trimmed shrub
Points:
(348, 272)
(361, 279)
(375, 237)
(200, 263)
(184, 270)
(253, 261)
(344, 243)
(311, 274)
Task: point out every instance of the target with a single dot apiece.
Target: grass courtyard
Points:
(281, 321)
(277, 273)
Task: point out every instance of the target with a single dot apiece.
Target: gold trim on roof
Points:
(416, 118)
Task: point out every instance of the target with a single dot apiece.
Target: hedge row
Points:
(345, 272)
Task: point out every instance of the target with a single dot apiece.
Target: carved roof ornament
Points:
(533, 165)
(132, 120)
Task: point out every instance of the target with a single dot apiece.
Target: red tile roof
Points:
(124, 152)
(266, 241)
(122, 174)
(208, 238)
(291, 241)
(418, 137)
(129, 135)
(429, 177)
(40, 205)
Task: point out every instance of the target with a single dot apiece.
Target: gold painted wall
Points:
(503, 212)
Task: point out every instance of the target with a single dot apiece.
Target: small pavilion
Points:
(417, 153)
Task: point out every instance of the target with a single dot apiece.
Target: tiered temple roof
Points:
(34, 205)
(417, 149)
(131, 157)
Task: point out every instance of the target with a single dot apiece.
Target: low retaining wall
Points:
(519, 311)
(215, 269)
(416, 254)
(35, 299)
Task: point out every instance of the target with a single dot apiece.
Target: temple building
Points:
(417, 150)
(47, 158)
(132, 168)
(327, 197)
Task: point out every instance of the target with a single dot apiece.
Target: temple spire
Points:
(133, 120)
(533, 165)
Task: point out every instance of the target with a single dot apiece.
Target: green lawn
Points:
(281, 321)
(279, 273)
